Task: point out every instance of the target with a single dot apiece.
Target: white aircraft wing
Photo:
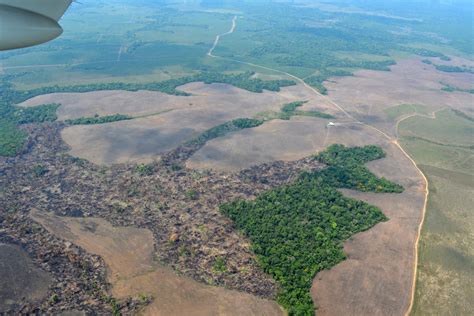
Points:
(25, 23)
(53, 9)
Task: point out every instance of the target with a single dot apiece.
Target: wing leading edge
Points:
(25, 23)
(53, 9)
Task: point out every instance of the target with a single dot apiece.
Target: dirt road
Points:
(389, 139)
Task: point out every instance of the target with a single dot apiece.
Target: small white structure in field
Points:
(331, 124)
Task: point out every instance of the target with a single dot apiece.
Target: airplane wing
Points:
(26, 23)
(53, 9)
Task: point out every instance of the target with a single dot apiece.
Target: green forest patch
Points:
(297, 230)
(99, 119)
(450, 88)
(12, 139)
(289, 110)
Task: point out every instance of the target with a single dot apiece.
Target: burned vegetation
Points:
(266, 230)
(181, 208)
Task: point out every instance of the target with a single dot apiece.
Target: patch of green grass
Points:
(446, 245)
(398, 111)
(144, 169)
(447, 128)
(219, 265)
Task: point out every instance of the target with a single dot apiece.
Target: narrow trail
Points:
(119, 54)
(394, 141)
(218, 37)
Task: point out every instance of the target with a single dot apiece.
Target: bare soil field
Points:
(278, 140)
(146, 138)
(128, 254)
(368, 93)
(21, 281)
(274, 140)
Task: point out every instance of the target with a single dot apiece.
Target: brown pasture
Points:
(274, 140)
(366, 94)
(144, 139)
(377, 277)
(132, 271)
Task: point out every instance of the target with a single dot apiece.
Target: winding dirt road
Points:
(218, 37)
(390, 139)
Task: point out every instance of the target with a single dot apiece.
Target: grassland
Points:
(405, 109)
(447, 129)
(446, 253)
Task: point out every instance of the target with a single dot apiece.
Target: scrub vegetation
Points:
(298, 229)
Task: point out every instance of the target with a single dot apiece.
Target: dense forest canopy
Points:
(298, 229)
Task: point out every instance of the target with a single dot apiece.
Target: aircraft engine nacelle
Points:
(25, 23)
